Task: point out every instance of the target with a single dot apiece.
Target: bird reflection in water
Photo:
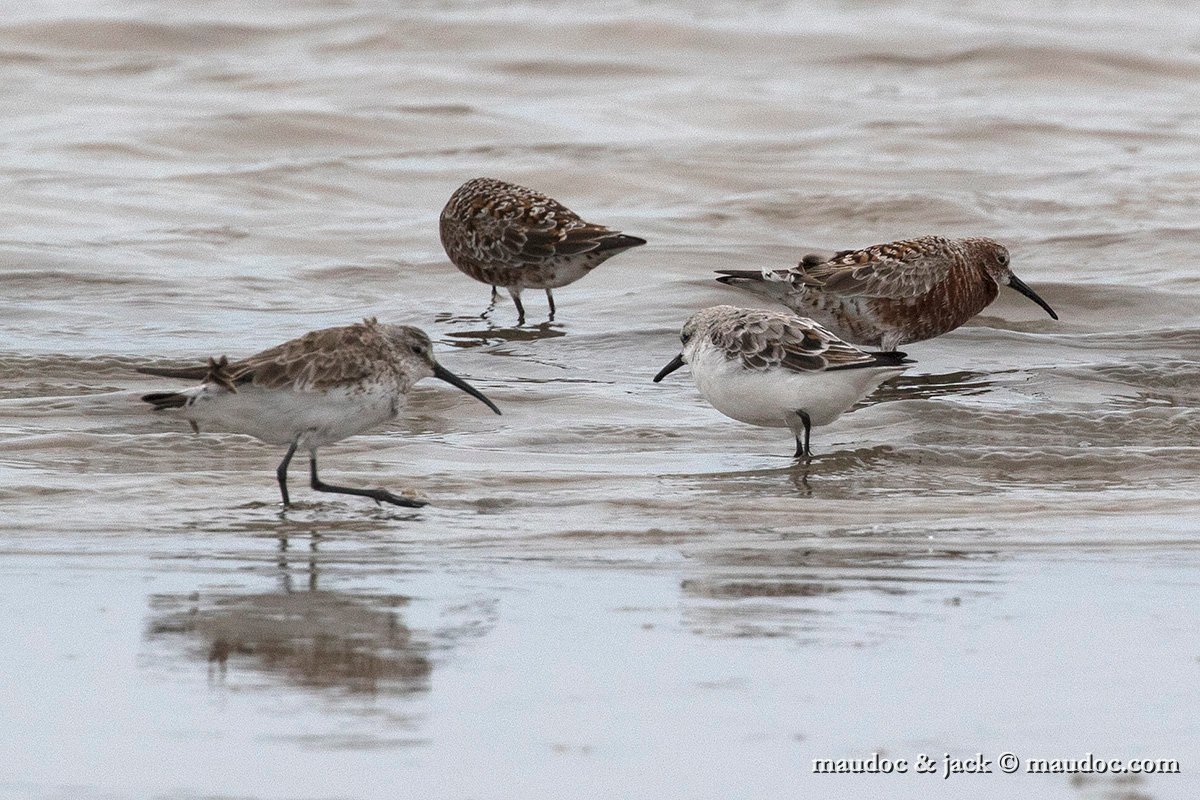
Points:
(312, 638)
(495, 334)
(839, 586)
(830, 476)
(924, 387)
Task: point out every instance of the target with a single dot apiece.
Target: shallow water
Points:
(614, 589)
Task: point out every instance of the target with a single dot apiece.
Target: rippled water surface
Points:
(615, 591)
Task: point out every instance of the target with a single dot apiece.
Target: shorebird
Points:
(323, 387)
(777, 370)
(892, 294)
(510, 236)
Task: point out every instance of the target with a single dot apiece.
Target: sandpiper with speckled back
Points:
(320, 388)
(506, 235)
(892, 294)
(777, 370)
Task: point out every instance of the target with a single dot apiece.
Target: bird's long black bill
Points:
(1024, 289)
(675, 364)
(449, 377)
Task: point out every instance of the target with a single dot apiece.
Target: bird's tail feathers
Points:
(186, 373)
(891, 358)
(218, 373)
(770, 283)
(732, 277)
(165, 400)
(215, 372)
(736, 277)
(619, 241)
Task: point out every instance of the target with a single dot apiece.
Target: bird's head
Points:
(415, 346)
(994, 259)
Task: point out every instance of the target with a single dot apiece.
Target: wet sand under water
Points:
(615, 591)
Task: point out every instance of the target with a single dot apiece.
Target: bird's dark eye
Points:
(1003, 259)
(684, 337)
(418, 349)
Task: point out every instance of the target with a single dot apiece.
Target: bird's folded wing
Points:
(896, 271)
(763, 340)
(317, 360)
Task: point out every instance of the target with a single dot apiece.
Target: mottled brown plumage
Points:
(318, 360)
(763, 340)
(331, 357)
(507, 235)
(891, 294)
(311, 391)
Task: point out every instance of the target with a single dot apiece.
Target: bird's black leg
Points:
(520, 309)
(281, 472)
(550, 300)
(378, 495)
(802, 448)
(491, 305)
